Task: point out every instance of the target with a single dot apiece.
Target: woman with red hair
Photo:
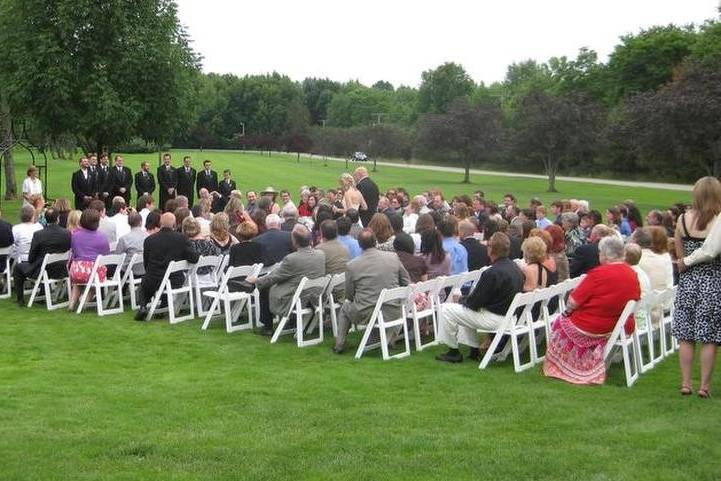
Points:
(558, 251)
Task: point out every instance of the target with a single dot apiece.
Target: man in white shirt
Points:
(145, 206)
(23, 233)
(120, 218)
(106, 226)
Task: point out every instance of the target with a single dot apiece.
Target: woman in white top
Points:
(352, 198)
(410, 216)
(655, 259)
(31, 185)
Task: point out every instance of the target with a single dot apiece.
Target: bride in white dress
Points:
(352, 198)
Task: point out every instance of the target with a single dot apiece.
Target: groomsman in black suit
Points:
(207, 179)
(103, 182)
(224, 189)
(144, 180)
(121, 180)
(186, 180)
(83, 185)
(168, 180)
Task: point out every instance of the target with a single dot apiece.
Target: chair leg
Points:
(364, 339)
(86, 293)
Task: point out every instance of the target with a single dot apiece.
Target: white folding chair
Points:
(6, 273)
(184, 293)
(666, 299)
(308, 289)
(646, 333)
(205, 282)
(430, 290)
(105, 288)
(231, 304)
(514, 326)
(471, 278)
(53, 288)
(553, 296)
(397, 296)
(627, 344)
(131, 281)
(337, 281)
(446, 283)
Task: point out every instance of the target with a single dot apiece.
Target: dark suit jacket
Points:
(516, 252)
(121, 180)
(186, 183)
(477, 254)
(584, 259)
(53, 239)
(167, 178)
(246, 254)
(83, 187)
(224, 189)
(275, 245)
(369, 189)
(144, 184)
(102, 182)
(206, 182)
(6, 240)
(160, 249)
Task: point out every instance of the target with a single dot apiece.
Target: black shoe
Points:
(141, 315)
(21, 302)
(475, 354)
(338, 350)
(267, 331)
(453, 357)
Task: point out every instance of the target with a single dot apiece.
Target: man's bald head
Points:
(167, 220)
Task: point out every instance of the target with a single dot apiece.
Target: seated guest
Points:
(145, 206)
(632, 256)
(558, 251)
(87, 243)
(586, 256)
(383, 231)
(655, 259)
(181, 213)
(106, 226)
(200, 245)
(62, 207)
(159, 250)
(23, 233)
(579, 335)
(247, 251)
(438, 261)
(477, 252)
(414, 265)
(132, 242)
(344, 226)
(53, 239)
(537, 265)
(541, 221)
(574, 234)
(278, 287)
(74, 220)
(425, 222)
(356, 227)
(410, 216)
(485, 308)
(220, 232)
(275, 243)
(336, 254)
(120, 217)
(6, 240)
(205, 216)
(290, 216)
(366, 277)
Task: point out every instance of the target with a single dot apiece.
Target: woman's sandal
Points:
(686, 390)
(704, 393)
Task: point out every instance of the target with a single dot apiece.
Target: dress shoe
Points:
(453, 357)
(141, 315)
(267, 331)
(475, 354)
(338, 350)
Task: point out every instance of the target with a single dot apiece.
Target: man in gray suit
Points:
(367, 275)
(277, 288)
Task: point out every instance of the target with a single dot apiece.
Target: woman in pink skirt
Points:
(86, 245)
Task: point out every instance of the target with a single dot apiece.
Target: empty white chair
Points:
(231, 304)
(398, 297)
(6, 273)
(647, 333)
(666, 299)
(111, 289)
(131, 281)
(308, 290)
(205, 281)
(183, 294)
(53, 288)
(519, 328)
(337, 282)
(428, 289)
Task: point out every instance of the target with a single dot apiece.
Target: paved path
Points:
(438, 168)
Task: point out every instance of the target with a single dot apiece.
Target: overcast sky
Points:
(396, 40)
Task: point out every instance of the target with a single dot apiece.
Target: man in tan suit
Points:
(367, 275)
(337, 255)
(277, 288)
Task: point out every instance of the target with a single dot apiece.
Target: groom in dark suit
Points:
(369, 189)
(186, 180)
(168, 180)
(144, 180)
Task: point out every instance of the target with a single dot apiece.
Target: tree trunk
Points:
(7, 140)
(467, 169)
(551, 172)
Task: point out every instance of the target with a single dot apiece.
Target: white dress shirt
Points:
(23, 236)
(121, 224)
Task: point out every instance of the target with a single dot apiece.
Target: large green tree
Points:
(103, 71)
(441, 86)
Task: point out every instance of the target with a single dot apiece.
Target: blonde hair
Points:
(190, 227)
(534, 250)
(706, 200)
(74, 219)
(347, 180)
(220, 226)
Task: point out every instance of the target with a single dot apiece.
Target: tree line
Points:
(124, 76)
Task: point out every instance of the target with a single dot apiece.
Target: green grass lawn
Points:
(253, 171)
(83, 397)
